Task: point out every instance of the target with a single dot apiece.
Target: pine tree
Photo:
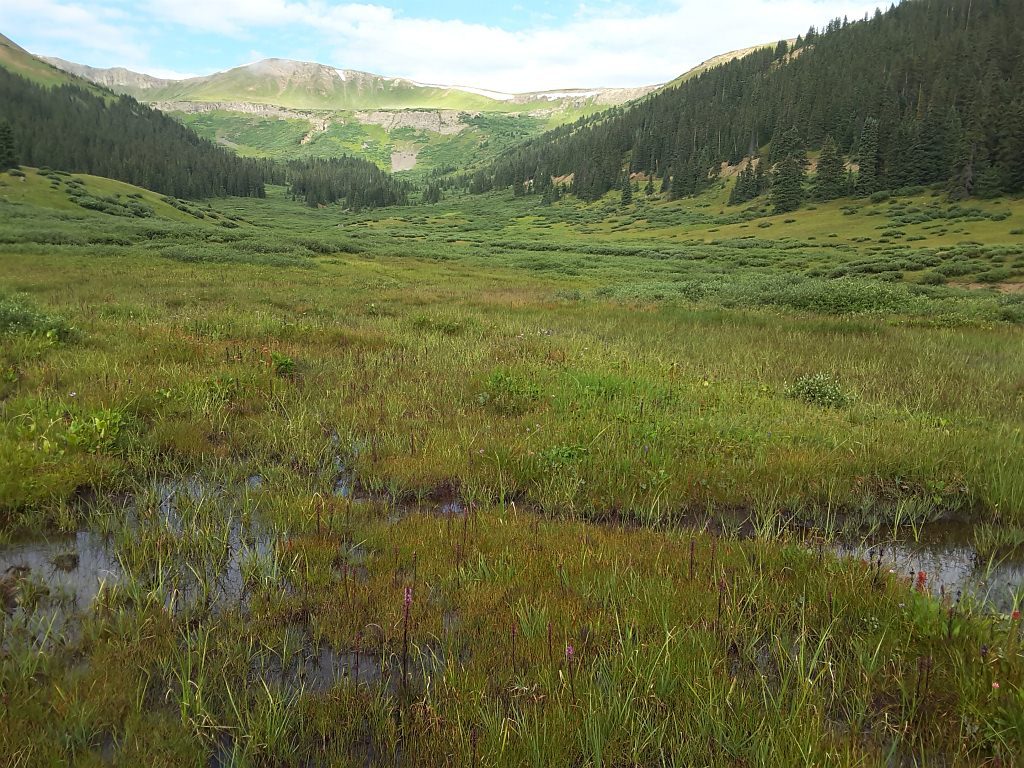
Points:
(761, 179)
(746, 186)
(830, 181)
(988, 181)
(788, 179)
(8, 154)
(627, 191)
(867, 158)
(649, 189)
(681, 178)
(920, 71)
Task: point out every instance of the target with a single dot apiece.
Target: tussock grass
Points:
(275, 435)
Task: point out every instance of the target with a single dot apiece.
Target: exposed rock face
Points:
(244, 107)
(117, 79)
(446, 122)
(403, 160)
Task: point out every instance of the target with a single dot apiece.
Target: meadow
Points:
(496, 483)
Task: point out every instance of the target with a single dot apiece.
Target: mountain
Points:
(16, 59)
(64, 122)
(303, 110)
(69, 127)
(715, 61)
(930, 92)
(118, 79)
(308, 85)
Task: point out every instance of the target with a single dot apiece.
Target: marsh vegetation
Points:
(436, 486)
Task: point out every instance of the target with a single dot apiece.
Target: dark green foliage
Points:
(354, 182)
(830, 181)
(919, 95)
(790, 173)
(8, 153)
(752, 182)
(75, 130)
(432, 194)
(627, 191)
(867, 159)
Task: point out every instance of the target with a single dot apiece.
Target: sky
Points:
(514, 47)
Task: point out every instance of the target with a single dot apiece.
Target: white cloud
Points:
(105, 32)
(602, 44)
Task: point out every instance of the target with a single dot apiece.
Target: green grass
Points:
(20, 62)
(559, 372)
(485, 135)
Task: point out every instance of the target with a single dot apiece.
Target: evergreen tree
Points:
(830, 181)
(746, 186)
(790, 174)
(649, 189)
(761, 180)
(867, 158)
(8, 154)
(988, 181)
(432, 194)
(681, 182)
(926, 72)
(627, 191)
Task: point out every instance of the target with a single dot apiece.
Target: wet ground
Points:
(53, 581)
(951, 569)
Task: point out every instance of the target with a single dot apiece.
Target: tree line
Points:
(78, 130)
(356, 183)
(929, 92)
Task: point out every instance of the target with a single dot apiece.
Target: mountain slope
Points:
(931, 91)
(69, 127)
(308, 85)
(16, 59)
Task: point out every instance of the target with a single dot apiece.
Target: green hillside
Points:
(479, 138)
(928, 92)
(16, 59)
(85, 194)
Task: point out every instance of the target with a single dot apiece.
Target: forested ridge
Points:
(931, 91)
(74, 129)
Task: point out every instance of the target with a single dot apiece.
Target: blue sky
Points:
(518, 46)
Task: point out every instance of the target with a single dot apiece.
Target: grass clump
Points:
(508, 393)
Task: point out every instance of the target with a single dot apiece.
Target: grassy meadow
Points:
(493, 483)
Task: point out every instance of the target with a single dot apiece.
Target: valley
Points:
(398, 124)
(346, 420)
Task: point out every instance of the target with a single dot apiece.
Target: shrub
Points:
(819, 389)
(19, 316)
(931, 277)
